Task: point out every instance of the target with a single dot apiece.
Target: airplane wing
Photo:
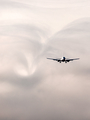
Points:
(71, 59)
(58, 60)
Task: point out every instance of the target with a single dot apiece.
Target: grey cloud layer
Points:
(21, 46)
(32, 87)
(53, 90)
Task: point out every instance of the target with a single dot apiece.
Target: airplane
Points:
(63, 59)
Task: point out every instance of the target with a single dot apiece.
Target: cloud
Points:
(55, 3)
(46, 89)
(7, 4)
(67, 82)
(21, 46)
(32, 87)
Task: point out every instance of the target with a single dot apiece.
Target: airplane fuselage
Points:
(63, 59)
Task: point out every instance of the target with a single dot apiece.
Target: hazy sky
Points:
(31, 86)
